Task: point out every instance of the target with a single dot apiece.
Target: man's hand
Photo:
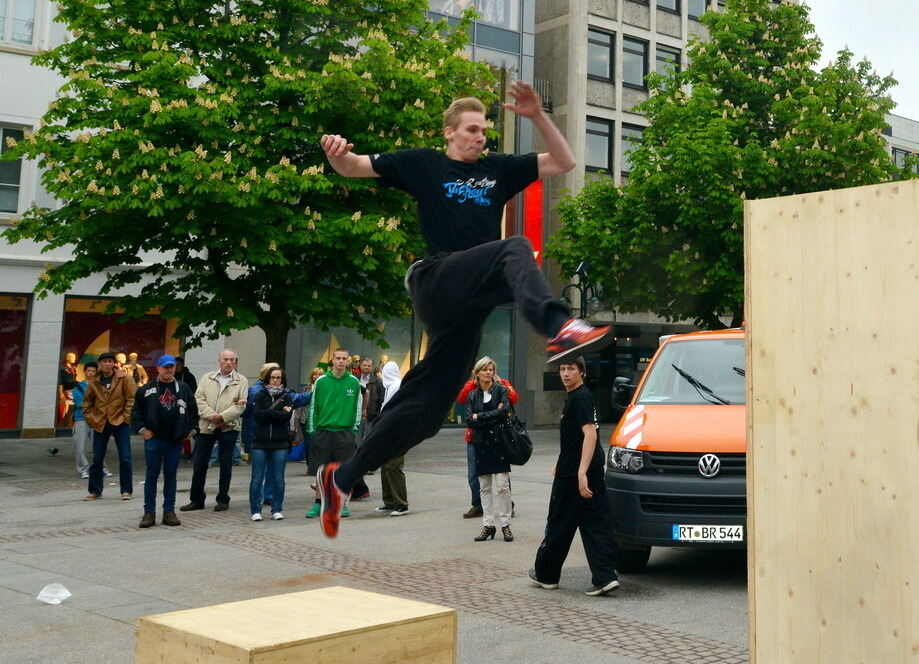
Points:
(583, 489)
(528, 104)
(335, 146)
(147, 434)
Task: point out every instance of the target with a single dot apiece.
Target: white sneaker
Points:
(277, 516)
(382, 509)
(256, 517)
(84, 475)
(399, 511)
(107, 473)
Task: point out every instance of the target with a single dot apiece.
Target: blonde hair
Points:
(316, 370)
(266, 369)
(483, 364)
(460, 106)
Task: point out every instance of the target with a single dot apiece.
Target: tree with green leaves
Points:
(184, 148)
(748, 118)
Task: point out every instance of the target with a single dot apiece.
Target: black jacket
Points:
(489, 450)
(373, 397)
(272, 424)
(188, 378)
(143, 412)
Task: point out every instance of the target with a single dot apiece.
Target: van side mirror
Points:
(621, 384)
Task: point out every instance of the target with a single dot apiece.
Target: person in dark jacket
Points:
(164, 413)
(185, 375)
(271, 412)
(487, 407)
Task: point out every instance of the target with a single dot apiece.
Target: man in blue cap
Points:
(164, 414)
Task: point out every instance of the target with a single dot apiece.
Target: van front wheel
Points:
(631, 561)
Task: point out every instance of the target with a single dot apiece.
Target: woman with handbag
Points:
(487, 408)
(271, 411)
(471, 474)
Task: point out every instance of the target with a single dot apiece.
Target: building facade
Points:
(588, 59)
(44, 340)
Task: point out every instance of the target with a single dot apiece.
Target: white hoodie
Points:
(392, 380)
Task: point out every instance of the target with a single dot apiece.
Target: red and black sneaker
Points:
(576, 337)
(332, 499)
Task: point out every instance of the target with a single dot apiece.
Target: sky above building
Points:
(884, 31)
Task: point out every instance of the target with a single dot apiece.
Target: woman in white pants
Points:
(82, 434)
(487, 408)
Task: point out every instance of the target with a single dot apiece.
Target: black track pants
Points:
(453, 295)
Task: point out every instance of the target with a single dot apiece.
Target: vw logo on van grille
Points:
(709, 465)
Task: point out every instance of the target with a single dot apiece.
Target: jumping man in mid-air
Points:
(467, 272)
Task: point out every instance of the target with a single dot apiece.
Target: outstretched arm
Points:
(338, 151)
(559, 158)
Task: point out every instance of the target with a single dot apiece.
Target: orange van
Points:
(676, 467)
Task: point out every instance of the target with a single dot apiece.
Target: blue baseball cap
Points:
(166, 361)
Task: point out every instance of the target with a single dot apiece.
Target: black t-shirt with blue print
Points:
(460, 204)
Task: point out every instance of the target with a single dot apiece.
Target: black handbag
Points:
(517, 444)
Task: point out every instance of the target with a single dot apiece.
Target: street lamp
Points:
(585, 289)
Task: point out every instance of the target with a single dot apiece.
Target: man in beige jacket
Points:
(221, 399)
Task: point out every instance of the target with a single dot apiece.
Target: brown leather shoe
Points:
(126, 496)
(170, 519)
(472, 513)
(93, 496)
(221, 507)
(148, 521)
(190, 507)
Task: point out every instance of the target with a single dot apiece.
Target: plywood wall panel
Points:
(832, 310)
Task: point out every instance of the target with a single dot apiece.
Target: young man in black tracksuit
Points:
(468, 270)
(164, 413)
(579, 500)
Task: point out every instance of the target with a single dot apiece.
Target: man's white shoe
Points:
(277, 516)
(256, 517)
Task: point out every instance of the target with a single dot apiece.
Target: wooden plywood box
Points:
(333, 625)
(832, 310)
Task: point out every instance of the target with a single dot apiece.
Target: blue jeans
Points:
(122, 435)
(473, 477)
(166, 454)
(273, 462)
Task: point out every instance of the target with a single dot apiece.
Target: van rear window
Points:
(712, 373)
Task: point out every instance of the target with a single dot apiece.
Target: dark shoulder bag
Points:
(517, 444)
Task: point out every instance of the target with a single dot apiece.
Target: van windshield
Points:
(716, 364)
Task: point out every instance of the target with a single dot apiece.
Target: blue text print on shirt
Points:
(472, 190)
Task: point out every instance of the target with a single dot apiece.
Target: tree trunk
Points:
(276, 327)
(737, 318)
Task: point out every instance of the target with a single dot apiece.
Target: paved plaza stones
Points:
(690, 607)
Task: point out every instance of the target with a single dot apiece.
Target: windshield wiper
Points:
(742, 372)
(704, 391)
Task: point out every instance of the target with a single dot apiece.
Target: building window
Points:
(696, 7)
(668, 60)
(10, 172)
(899, 158)
(600, 54)
(17, 22)
(598, 155)
(631, 139)
(634, 62)
(669, 5)
(502, 13)
(90, 330)
(14, 317)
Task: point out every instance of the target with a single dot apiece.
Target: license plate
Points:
(683, 533)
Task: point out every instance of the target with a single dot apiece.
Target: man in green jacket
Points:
(334, 417)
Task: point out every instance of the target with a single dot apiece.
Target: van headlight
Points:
(625, 460)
